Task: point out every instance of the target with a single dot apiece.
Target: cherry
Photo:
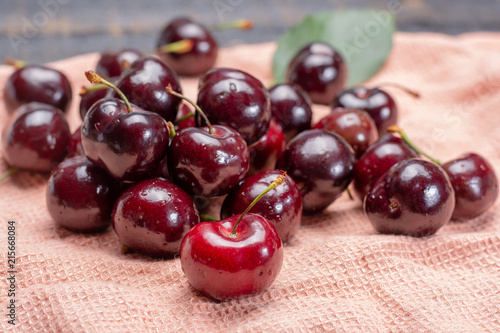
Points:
(414, 198)
(238, 256)
(112, 63)
(36, 137)
(80, 196)
(282, 206)
(75, 147)
(207, 161)
(236, 99)
(376, 102)
(36, 83)
(89, 96)
(319, 70)
(185, 118)
(291, 107)
(265, 153)
(144, 85)
(475, 183)
(355, 126)
(200, 58)
(322, 165)
(377, 160)
(129, 145)
(153, 216)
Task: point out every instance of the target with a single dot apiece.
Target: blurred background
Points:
(47, 30)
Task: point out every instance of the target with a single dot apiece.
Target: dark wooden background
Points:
(46, 30)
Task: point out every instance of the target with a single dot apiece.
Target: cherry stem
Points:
(9, 173)
(350, 194)
(179, 47)
(397, 129)
(198, 109)
(171, 129)
(15, 62)
(96, 78)
(207, 218)
(238, 24)
(281, 178)
(407, 90)
(187, 116)
(94, 87)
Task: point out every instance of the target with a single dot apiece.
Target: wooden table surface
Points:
(47, 30)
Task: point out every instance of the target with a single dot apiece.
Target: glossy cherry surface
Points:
(322, 165)
(414, 198)
(265, 153)
(475, 183)
(320, 71)
(282, 206)
(80, 196)
(89, 98)
(200, 58)
(208, 165)
(144, 85)
(377, 160)
(236, 99)
(128, 145)
(376, 102)
(36, 83)
(225, 266)
(112, 63)
(291, 107)
(36, 137)
(153, 216)
(355, 126)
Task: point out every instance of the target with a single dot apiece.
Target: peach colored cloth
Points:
(338, 274)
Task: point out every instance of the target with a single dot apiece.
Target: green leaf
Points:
(362, 36)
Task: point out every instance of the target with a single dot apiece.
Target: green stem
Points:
(278, 181)
(94, 87)
(397, 129)
(9, 173)
(171, 129)
(15, 62)
(207, 218)
(96, 78)
(187, 116)
(181, 46)
(238, 24)
(198, 109)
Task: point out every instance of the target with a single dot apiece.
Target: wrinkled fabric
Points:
(338, 273)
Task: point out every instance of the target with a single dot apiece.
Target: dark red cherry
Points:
(206, 164)
(475, 183)
(282, 206)
(265, 152)
(36, 83)
(36, 137)
(144, 85)
(203, 54)
(80, 196)
(414, 198)
(377, 160)
(112, 63)
(236, 99)
(291, 107)
(185, 118)
(355, 126)
(320, 71)
(88, 98)
(376, 102)
(153, 216)
(322, 165)
(75, 147)
(129, 145)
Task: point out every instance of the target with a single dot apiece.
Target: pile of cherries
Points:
(146, 164)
